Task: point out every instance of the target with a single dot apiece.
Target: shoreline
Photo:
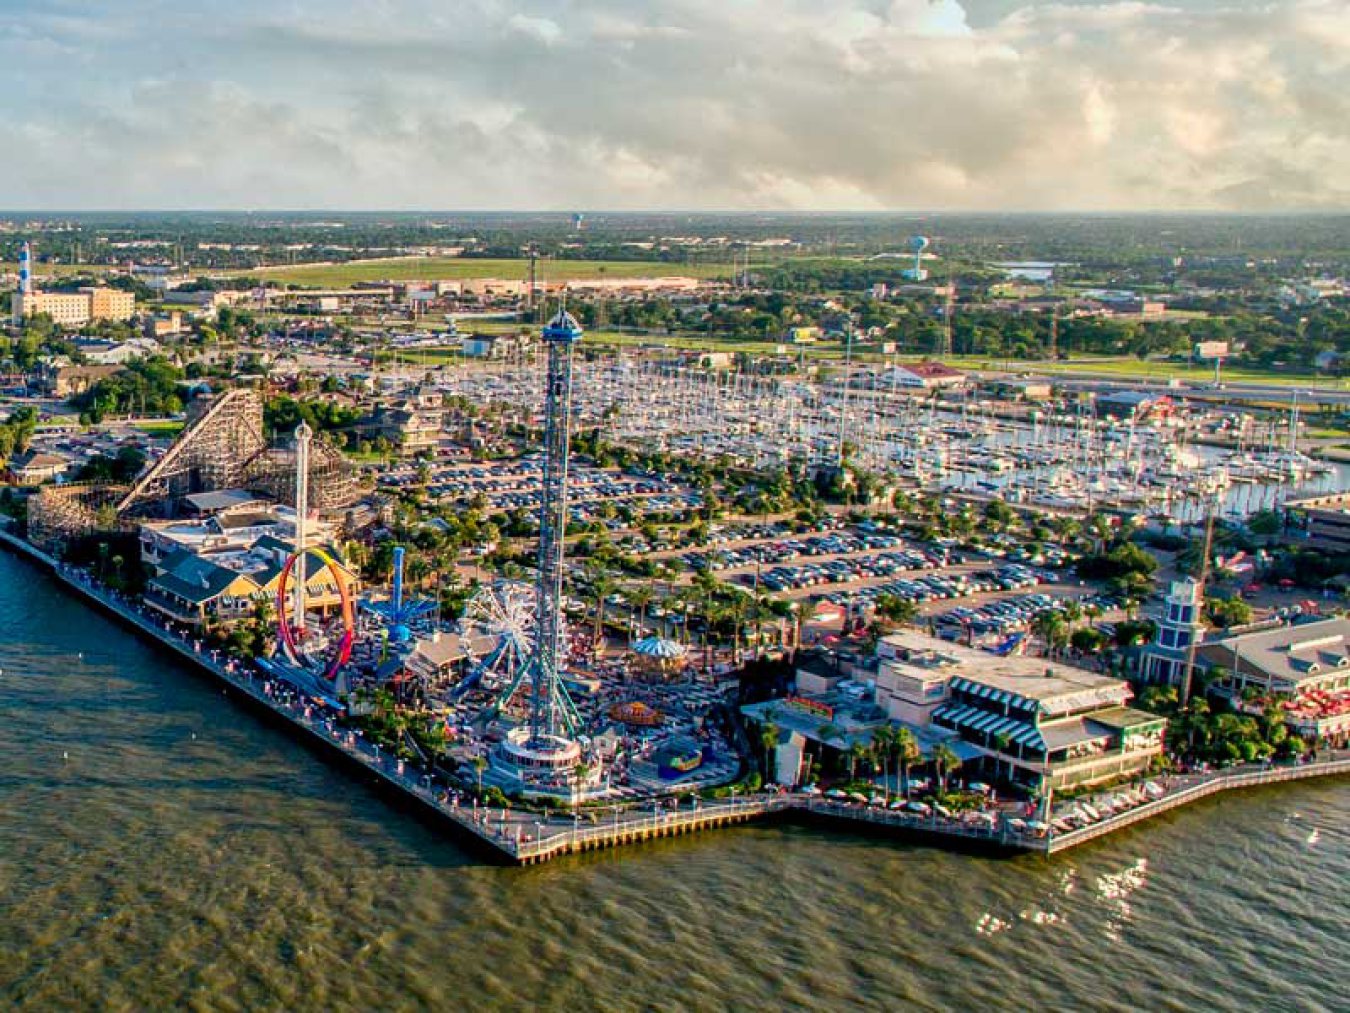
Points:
(486, 830)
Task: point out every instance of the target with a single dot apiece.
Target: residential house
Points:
(35, 467)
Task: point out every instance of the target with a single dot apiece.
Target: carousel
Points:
(637, 714)
(659, 657)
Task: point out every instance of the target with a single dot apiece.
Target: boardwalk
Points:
(525, 838)
(1203, 787)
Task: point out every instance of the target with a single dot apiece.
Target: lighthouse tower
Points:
(1164, 660)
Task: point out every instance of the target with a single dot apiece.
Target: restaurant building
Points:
(1029, 721)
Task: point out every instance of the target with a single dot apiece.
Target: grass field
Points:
(162, 427)
(450, 268)
(47, 270)
(1123, 368)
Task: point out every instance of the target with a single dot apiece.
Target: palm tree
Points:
(882, 743)
(639, 598)
(856, 752)
(1073, 612)
(907, 751)
(768, 740)
(479, 765)
(1099, 527)
(947, 763)
(1051, 628)
(896, 609)
(1066, 527)
(602, 586)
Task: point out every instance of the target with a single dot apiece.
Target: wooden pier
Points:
(1212, 785)
(523, 838)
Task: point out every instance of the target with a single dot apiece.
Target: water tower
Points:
(917, 245)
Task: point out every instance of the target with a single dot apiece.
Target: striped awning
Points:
(659, 647)
(982, 691)
(991, 723)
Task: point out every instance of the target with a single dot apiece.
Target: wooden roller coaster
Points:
(223, 446)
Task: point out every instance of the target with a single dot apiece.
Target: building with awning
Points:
(197, 591)
(1031, 721)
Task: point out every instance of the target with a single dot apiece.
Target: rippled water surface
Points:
(160, 847)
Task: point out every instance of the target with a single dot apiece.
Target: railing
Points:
(665, 822)
(997, 833)
(551, 839)
(1212, 785)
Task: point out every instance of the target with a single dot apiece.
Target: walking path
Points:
(526, 838)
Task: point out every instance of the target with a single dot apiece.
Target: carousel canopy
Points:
(659, 647)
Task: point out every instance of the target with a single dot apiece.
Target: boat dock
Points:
(519, 837)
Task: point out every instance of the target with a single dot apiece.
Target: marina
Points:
(1157, 458)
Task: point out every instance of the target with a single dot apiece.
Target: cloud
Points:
(895, 104)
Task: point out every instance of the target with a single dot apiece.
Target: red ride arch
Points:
(286, 631)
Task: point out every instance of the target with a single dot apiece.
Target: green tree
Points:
(1052, 629)
(768, 742)
(947, 763)
(898, 610)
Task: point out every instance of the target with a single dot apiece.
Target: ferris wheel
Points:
(497, 631)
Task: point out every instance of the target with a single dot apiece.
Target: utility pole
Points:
(1206, 547)
(947, 317)
(843, 399)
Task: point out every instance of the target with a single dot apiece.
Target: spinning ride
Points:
(303, 646)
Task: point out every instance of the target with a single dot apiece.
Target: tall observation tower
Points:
(544, 754)
(303, 437)
(551, 712)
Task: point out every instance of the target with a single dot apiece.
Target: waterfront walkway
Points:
(527, 838)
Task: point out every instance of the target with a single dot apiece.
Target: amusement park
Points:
(510, 698)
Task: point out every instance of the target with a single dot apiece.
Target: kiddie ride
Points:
(310, 657)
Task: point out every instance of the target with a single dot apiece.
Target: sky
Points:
(903, 105)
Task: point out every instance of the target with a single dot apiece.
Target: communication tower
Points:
(26, 269)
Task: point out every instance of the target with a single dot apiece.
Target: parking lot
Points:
(514, 485)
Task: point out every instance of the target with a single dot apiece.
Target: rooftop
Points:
(1052, 687)
(1288, 653)
(933, 370)
(222, 499)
